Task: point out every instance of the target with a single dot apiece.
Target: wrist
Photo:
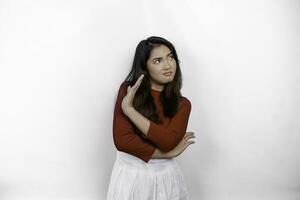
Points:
(128, 110)
(170, 154)
(162, 154)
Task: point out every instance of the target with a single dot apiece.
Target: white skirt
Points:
(134, 179)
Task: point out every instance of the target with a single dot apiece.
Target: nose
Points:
(166, 65)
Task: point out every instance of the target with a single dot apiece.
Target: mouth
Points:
(168, 73)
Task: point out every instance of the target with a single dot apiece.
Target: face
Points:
(161, 66)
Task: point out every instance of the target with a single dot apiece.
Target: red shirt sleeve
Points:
(168, 137)
(124, 136)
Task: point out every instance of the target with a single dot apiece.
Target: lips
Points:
(167, 73)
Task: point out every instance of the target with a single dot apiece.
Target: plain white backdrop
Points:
(61, 64)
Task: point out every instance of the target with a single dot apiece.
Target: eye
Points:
(156, 61)
(171, 57)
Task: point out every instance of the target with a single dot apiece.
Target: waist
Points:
(132, 160)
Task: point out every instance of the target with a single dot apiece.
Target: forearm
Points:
(164, 143)
(163, 138)
(141, 122)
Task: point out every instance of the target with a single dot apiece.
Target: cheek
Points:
(154, 70)
(154, 74)
(174, 66)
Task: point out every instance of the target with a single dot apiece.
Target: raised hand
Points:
(128, 99)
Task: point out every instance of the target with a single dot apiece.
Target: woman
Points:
(149, 127)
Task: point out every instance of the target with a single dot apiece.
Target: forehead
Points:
(159, 51)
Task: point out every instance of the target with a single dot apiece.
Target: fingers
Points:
(186, 144)
(189, 141)
(138, 82)
(128, 88)
(189, 135)
(136, 85)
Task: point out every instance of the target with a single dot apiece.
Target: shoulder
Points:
(186, 102)
(124, 84)
(121, 93)
(123, 87)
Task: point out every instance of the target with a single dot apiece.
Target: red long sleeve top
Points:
(164, 136)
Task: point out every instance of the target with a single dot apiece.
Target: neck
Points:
(157, 87)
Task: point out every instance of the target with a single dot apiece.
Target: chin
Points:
(170, 79)
(164, 81)
(167, 81)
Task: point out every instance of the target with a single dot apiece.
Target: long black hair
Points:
(170, 96)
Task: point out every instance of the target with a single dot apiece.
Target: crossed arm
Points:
(157, 140)
(165, 138)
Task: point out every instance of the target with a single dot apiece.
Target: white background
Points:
(61, 64)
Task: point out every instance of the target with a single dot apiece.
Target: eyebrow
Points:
(161, 57)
